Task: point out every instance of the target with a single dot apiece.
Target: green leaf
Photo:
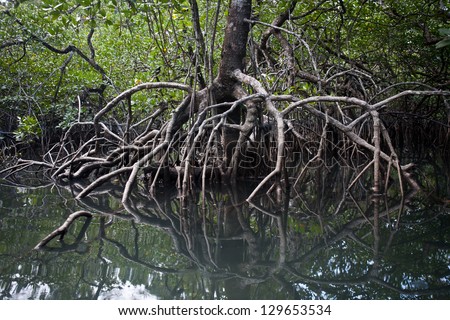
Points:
(444, 32)
(446, 41)
(443, 43)
(58, 5)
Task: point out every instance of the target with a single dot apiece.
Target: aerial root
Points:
(190, 144)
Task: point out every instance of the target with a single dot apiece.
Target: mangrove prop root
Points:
(235, 134)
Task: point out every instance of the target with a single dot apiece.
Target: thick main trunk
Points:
(235, 40)
(234, 50)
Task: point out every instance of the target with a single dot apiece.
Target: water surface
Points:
(322, 242)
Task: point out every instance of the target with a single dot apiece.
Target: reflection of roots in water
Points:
(225, 237)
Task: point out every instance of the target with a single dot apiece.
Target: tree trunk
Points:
(235, 41)
(234, 50)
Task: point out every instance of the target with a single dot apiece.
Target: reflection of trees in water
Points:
(325, 240)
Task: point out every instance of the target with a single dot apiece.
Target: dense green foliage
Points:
(46, 84)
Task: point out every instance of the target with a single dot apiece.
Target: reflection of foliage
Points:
(317, 244)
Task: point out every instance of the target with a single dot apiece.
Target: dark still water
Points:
(324, 242)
